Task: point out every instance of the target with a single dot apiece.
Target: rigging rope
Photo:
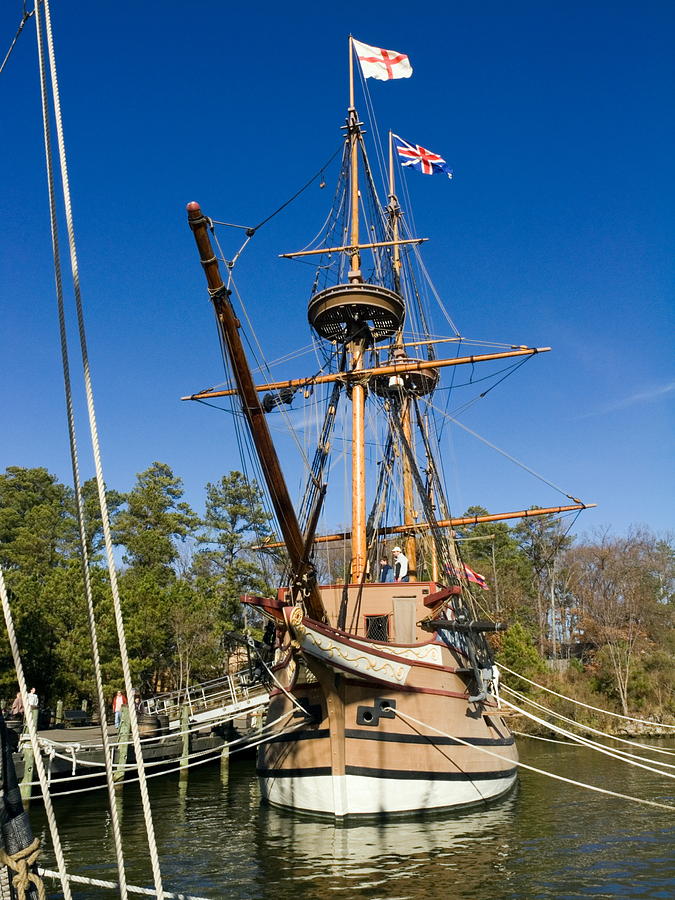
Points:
(79, 502)
(505, 454)
(24, 19)
(117, 606)
(251, 231)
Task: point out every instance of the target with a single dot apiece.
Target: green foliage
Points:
(154, 518)
(235, 521)
(612, 598)
(519, 653)
(492, 550)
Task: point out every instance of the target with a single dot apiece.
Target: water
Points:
(546, 840)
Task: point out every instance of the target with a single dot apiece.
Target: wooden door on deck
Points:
(404, 619)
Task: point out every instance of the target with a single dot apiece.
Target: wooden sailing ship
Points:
(384, 698)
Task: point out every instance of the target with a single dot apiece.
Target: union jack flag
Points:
(421, 159)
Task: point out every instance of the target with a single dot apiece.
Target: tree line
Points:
(598, 609)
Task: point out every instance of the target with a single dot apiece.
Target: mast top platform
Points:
(344, 312)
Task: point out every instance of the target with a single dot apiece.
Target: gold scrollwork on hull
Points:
(422, 654)
(360, 661)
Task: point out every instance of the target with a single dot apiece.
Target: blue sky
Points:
(556, 230)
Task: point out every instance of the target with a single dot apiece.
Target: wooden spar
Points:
(253, 411)
(353, 248)
(388, 369)
(446, 523)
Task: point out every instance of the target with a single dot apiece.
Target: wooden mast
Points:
(356, 350)
(409, 544)
(255, 416)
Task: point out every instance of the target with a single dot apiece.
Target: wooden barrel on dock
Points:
(148, 725)
(163, 720)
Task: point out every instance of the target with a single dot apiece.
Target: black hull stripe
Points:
(431, 776)
(390, 773)
(299, 736)
(437, 740)
(393, 737)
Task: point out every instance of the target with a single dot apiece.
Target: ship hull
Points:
(368, 729)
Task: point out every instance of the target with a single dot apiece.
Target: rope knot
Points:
(21, 863)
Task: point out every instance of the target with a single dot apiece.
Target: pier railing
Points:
(229, 691)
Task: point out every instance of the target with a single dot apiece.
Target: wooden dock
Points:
(197, 726)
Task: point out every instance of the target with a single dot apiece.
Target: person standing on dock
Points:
(400, 565)
(33, 699)
(119, 701)
(17, 705)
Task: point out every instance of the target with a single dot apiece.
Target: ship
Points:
(383, 687)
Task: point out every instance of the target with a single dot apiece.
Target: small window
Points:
(377, 628)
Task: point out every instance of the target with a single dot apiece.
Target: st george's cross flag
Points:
(421, 159)
(382, 64)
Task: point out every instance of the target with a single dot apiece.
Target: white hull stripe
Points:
(349, 795)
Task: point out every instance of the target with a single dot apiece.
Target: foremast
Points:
(298, 546)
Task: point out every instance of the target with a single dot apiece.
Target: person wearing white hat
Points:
(400, 565)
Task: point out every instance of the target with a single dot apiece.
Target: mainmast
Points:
(356, 314)
(357, 348)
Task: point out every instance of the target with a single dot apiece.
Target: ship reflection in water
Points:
(386, 859)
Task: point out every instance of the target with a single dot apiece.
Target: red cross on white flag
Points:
(382, 64)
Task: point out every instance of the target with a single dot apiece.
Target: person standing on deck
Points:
(119, 700)
(400, 565)
(386, 571)
(33, 699)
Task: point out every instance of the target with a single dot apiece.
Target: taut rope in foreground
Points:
(117, 606)
(79, 503)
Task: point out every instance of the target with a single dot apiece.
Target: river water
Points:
(545, 840)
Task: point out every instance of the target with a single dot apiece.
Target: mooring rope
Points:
(522, 765)
(79, 503)
(606, 712)
(198, 759)
(523, 699)
(32, 732)
(586, 742)
(117, 606)
(113, 885)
